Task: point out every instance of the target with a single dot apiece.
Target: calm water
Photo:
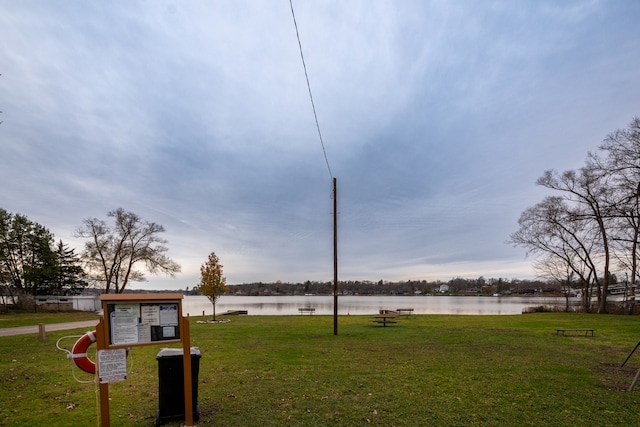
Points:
(288, 305)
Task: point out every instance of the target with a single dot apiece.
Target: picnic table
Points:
(384, 319)
(309, 310)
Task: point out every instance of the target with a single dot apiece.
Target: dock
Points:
(234, 312)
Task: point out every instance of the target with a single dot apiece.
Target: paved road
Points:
(21, 330)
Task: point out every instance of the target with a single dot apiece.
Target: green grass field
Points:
(29, 318)
(435, 370)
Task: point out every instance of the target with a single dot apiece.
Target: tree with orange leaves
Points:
(212, 283)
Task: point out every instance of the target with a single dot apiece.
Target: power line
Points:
(335, 195)
(313, 105)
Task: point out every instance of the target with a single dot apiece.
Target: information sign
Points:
(112, 365)
(124, 330)
(150, 314)
(169, 314)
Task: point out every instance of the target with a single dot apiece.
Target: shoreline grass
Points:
(426, 370)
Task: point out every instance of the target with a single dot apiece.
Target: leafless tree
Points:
(622, 162)
(596, 218)
(551, 230)
(587, 193)
(557, 270)
(112, 252)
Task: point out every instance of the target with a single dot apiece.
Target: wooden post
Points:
(186, 363)
(41, 332)
(335, 257)
(101, 344)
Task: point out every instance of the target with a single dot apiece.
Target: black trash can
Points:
(171, 384)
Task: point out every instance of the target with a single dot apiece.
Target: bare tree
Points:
(550, 230)
(623, 149)
(603, 200)
(622, 162)
(587, 191)
(557, 270)
(112, 252)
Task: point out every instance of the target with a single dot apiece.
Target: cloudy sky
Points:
(437, 118)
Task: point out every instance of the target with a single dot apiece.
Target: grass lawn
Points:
(29, 318)
(437, 370)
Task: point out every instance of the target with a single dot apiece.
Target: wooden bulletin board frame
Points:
(131, 320)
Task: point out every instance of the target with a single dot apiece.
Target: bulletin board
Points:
(131, 320)
(142, 319)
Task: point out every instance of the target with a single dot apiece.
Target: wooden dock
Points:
(234, 312)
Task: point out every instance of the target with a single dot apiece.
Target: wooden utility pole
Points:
(335, 258)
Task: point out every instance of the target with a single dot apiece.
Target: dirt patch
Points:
(613, 377)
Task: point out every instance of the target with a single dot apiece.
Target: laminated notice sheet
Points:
(112, 365)
(150, 314)
(124, 330)
(168, 314)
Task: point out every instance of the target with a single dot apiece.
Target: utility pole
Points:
(335, 258)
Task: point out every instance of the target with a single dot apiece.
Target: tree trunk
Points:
(586, 296)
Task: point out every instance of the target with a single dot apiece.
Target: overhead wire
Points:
(306, 75)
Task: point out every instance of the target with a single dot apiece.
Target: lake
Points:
(365, 305)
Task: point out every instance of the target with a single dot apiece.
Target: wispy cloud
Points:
(437, 119)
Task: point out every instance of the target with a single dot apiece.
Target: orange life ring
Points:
(79, 352)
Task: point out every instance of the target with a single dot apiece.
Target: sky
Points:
(436, 117)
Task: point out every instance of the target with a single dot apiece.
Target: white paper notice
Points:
(144, 332)
(127, 310)
(150, 314)
(168, 332)
(168, 314)
(124, 330)
(112, 365)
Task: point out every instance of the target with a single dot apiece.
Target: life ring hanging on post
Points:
(79, 352)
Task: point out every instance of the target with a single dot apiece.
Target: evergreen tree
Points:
(31, 264)
(28, 265)
(71, 276)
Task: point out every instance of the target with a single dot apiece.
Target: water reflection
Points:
(364, 305)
